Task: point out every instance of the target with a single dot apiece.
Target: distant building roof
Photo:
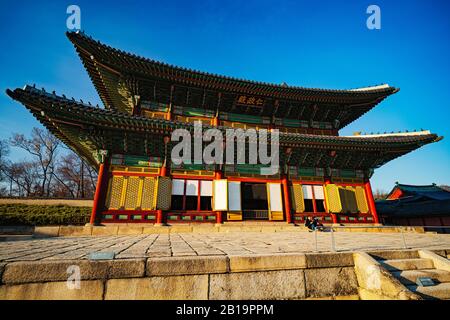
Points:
(415, 201)
(428, 191)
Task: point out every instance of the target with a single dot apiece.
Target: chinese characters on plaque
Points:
(250, 101)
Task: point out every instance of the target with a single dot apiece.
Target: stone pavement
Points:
(213, 244)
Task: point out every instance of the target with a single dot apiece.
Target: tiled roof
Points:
(109, 68)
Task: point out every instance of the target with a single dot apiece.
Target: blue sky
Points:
(308, 43)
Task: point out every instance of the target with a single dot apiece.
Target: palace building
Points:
(320, 173)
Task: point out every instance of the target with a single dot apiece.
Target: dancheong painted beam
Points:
(320, 174)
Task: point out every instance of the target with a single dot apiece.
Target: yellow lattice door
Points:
(361, 200)
(148, 193)
(132, 194)
(333, 199)
(164, 197)
(298, 202)
(114, 193)
(351, 200)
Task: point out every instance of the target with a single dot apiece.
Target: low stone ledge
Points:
(16, 230)
(325, 282)
(42, 271)
(126, 230)
(205, 229)
(187, 265)
(89, 290)
(193, 287)
(74, 231)
(326, 260)
(45, 232)
(285, 284)
(157, 230)
(267, 262)
(180, 229)
(105, 230)
(394, 254)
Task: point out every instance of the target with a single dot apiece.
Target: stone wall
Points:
(285, 276)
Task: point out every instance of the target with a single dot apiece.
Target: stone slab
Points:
(156, 230)
(89, 290)
(394, 254)
(126, 230)
(193, 287)
(407, 264)
(105, 230)
(324, 282)
(66, 231)
(186, 265)
(267, 262)
(285, 284)
(47, 270)
(44, 232)
(326, 260)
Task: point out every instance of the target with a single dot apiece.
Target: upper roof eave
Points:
(89, 45)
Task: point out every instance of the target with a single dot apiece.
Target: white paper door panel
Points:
(220, 194)
(276, 203)
(192, 187)
(206, 188)
(307, 192)
(234, 196)
(318, 192)
(177, 187)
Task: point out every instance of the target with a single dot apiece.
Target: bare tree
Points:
(4, 163)
(43, 146)
(76, 175)
(4, 152)
(380, 194)
(24, 179)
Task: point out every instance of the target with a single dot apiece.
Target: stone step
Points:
(409, 277)
(440, 291)
(407, 264)
(394, 254)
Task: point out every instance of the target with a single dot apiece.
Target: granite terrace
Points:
(235, 265)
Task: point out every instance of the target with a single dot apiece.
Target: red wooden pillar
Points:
(371, 201)
(333, 215)
(287, 200)
(98, 193)
(159, 213)
(218, 176)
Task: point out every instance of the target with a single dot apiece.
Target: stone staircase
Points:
(407, 266)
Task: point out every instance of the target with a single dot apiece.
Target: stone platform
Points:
(237, 265)
(138, 229)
